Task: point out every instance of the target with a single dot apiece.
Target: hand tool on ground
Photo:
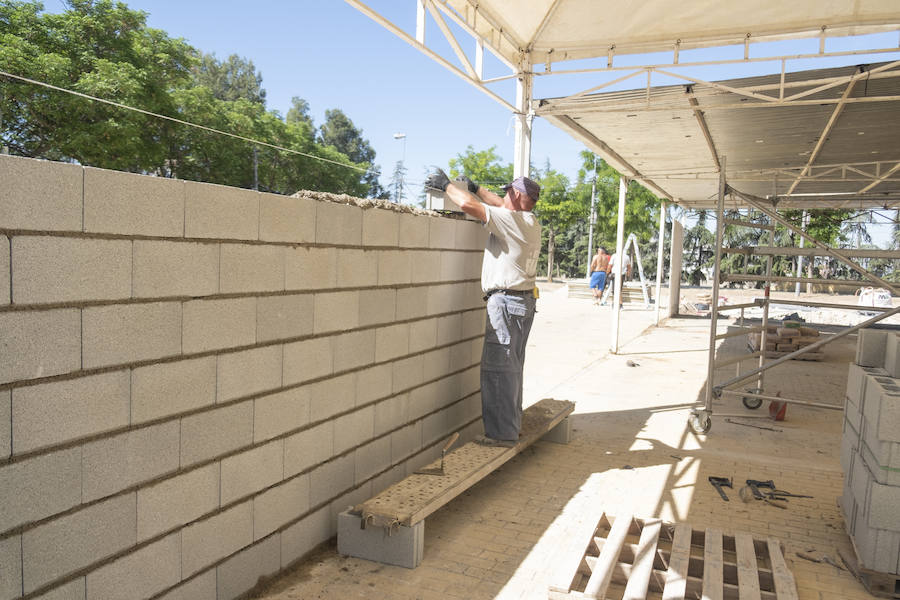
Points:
(719, 483)
(755, 485)
(774, 493)
(440, 471)
(753, 426)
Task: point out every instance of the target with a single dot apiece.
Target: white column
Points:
(714, 303)
(420, 22)
(620, 259)
(659, 255)
(675, 255)
(522, 159)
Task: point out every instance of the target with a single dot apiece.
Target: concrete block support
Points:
(892, 354)
(561, 434)
(400, 546)
(40, 195)
(130, 204)
(871, 345)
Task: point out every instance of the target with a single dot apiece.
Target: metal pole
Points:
(524, 87)
(620, 259)
(659, 255)
(714, 303)
(800, 258)
(593, 219)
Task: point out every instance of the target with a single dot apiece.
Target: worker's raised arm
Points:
(483, 194)
(460, 197)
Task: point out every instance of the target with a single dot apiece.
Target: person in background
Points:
(599, 265)
(611, 273)
(508, 282)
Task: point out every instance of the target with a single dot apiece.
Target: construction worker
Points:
(508, 281)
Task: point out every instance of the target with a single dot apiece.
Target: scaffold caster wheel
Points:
(752, 403)
(700, 423)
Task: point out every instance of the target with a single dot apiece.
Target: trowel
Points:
(440, 471)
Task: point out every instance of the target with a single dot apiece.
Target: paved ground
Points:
(631, 451)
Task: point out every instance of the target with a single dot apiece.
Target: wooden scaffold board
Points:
(629, 558)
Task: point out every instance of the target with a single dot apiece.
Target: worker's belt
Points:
(522, 293)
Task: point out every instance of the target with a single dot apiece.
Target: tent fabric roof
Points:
(577, 29)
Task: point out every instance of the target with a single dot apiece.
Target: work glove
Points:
(470, 185)
(437, 181)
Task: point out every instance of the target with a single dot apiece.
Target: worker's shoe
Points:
(484, 440)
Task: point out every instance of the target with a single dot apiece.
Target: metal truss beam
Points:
(810, 252)
(701, 120)
(880, 179)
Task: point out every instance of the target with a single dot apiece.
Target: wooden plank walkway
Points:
(630, 558)
(418, 495)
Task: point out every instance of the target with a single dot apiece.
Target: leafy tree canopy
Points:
(231, 79)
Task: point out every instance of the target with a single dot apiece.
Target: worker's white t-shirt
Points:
(512, 250)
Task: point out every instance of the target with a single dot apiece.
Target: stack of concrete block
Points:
(195, 379)
(870, 451)
(790, 336)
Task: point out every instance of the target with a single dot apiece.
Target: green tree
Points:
(484, 167)
(339, 132)
(299, 113)
(231, 79)
(397, 182)
(558, 209)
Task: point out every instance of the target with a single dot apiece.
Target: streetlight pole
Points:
(401, 136)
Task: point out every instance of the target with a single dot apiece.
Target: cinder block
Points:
(176, 501)
(446, 298)
(408, 373)
(849, 445)
(474, 296)
(53, 413)
(310, 268)
(436, 363)
(284, 317)
(215, 432)
(308, 359)
(308, 448)
(473, 322)
(865, 539)
(561, 434)
(40, 195)
(422, 335)
(880, 450)
(207, 541)
(887, 551)
(454, 266)
(299, 539)
(470, 235)
(242, 572)
(353, 350)
(848, 509)
(140, 574)
(441, 232)
(168, 389)
(279, 413)
(391, 413)
(461, 355)
(130, 204)
(394, 267)
(4, 270)
(39, 487)
(356, 268)
(39, 343)
(882, 410)
(164, 269)
(201, 587)
(332, 396)
(406, 441)
(883, 503)
(373, 458)
(377, 307)
(280, 505)
(353, 497)
(286, 219)
(251, 268)
(426, 266)
(5, 424)
(338, 224)
(11, 567)
(55, 269)
(387, 479)
(73, 590)
(218, 324)
(220, 212)
(336, 311)
(470, 381)
(129, 333)
(391, 342)
(354, 429)
(380, 227)
(413, 231)
(412, 303)
(424, 399)
(74, 541)
(436, 427)
(860, 483)
(871, 345)
(373, 383)
(331, 479)
(116, 463)
(248, 372)
(401, 546)
(892, 354)
(449, 329)
(252, 471)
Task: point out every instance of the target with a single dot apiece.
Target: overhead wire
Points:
(183, 122)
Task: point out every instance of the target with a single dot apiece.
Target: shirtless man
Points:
(599, 268)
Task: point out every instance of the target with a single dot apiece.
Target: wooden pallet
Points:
(629, 558)
(881, 585)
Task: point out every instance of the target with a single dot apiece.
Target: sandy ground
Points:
(631, 451)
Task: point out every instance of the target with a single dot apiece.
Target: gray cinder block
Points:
(394, 267)
(454, 265)
(252, 471)
(441, 232)
(377, 306)
(73, 590)
(391, 412)
(336, 311)
(310, 268)
(308, 359)
(354, 350)
(205, 542)
(380, 227)
(413, 231)
(426, 266)
(177, 501)
(39, 487)
(163, 268)
(40, 195)
(354, 428)
(883, 513)
(373, 383)
(412, 303)
(401, 546)
(218, 211)
(11, 567)
(280, 412)
(283, 317)
(373, 458)
(167, 389)
(331, 479)
(201, 587)
(209, 434)
(131, 332)
(218, 324)
(308, 448)
(356, 268)
(892, 354)
(5, 424)
(300, 538)
(279, 505)
(561, 434)
(251, 268)
(871, 345)
(338, 224)
(130, 204)
(39, 343)
(406, 441)
(332, 396)
(391, 342)
(242, 572)
(856, 381)
(248, 372)
(423, 335)
(286, 219)
(140, 574)
(4, 269)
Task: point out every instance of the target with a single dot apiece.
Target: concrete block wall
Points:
(196, 379)
(870, 451)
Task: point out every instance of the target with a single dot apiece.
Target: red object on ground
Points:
(777, 410)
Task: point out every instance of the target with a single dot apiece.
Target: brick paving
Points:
(631, 450)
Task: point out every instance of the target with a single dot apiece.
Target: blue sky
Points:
(328, 53)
